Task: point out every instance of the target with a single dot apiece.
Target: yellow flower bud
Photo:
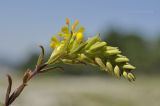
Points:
(109, 66)
(125, 75)
(131, 77)
(92, 41)
(111, 48)
(112, 52)
(128, 66)
(121, 59)
(97, 46)
(67, 21)
(100, 62)
(79, 37)
(119, 55)
(117, 71)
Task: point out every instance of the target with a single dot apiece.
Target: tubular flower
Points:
(74, 49)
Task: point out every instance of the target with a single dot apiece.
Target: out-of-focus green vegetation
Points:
(143, 53)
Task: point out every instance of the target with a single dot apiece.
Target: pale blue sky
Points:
(26, 23)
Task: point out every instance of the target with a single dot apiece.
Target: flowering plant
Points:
(70, 47)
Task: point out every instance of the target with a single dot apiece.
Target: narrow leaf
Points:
(41, 56)
(8, 89)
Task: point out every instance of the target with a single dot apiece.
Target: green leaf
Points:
(41, 56)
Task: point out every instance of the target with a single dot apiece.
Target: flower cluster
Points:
(70, 47)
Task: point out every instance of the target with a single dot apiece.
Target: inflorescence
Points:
(70, 47)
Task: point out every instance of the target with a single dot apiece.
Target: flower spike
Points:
(73, 48)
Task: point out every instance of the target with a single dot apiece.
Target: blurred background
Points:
(133, 26)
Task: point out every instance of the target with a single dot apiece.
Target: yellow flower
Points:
(79, 36)
(65, 33)
(54, 42)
